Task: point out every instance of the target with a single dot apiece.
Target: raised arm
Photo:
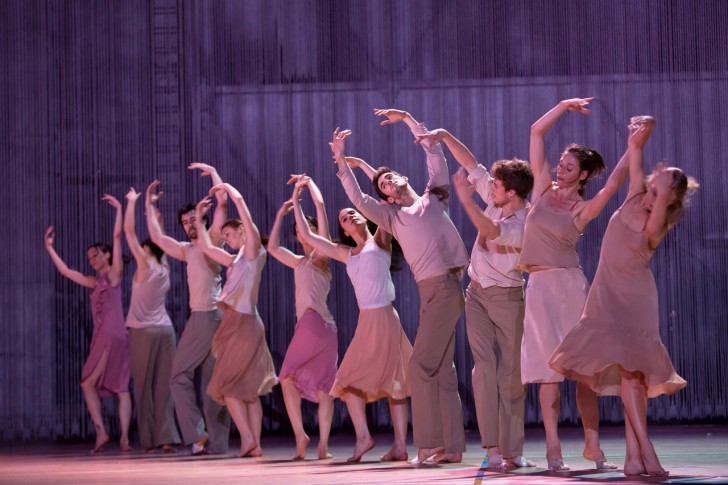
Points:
(320, 244)
(537, 150)
(368, 170)
(459, 151)
(117, 260)
(252, 235)
(282, 254)
(213, 252)
(487, 227)
(71, 274)
(641, 127)
(220, 215)
(656, 226)
(131, 237)
(373, 210)
(169, 245)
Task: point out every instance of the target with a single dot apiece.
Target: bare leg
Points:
(325, 415)
(93, 403)
(292, 398)
(632, 461)
(124, 420)
(588, 404)
(634, 398)
(398, 411)
(357, 411)
(550, 398)
(239, 411)
(255, 419)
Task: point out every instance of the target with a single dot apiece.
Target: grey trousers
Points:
(193, 352)
(152, 350)
(437, 415)
(494, 318)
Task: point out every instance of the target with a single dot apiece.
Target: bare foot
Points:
(101, 440)
(301, 447)
(633, 466)
(168, 448)
(323, 452)
(361, 448)
(395, 454)
(246, 449)
(124, 445)
(424, 454)
(597, 456)
(256, 453)
(443, 457)
(555, 460)
(652, 464)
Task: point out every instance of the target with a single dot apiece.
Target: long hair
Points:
(589, 160)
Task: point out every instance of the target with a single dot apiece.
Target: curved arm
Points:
(131, 237)
(65, 271)
(537, 146)
(169, 245)
(635, 148)
(318, 202)
(117, 260)
(459, 151)
(355, 162)
(338, 252)
(656, 226)
(219, 255)
(220, 215)
(487, 227)
(252, 235)
(282, 254)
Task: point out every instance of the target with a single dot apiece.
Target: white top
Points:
(203, 278)
(429, 240)
(494, 261)
(312, 288)
(146, 308)
(243, 282)
(369, 273)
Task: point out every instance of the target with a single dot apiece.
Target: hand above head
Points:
(301, 183)
(132, 195)
(338, 142)
(578, 105)
(207, 170)
(152, 195)
(463, 188)
(644, 123)
(113, 201)
(354, 162)
(392, 115)
(225, 187)
(435, 135)
(202, 207)
(285, 208)
(49, 236)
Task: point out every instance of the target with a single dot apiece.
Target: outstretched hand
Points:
(435, 135)
(578, 105)
(286, 207)
(207, 170)
(463, 188)
(49, 236)
(392, 115)
(132, 195)
(152, 195)
(640, 128)
(301, 183)
(113, 201)
(338, 141)
(203, 206)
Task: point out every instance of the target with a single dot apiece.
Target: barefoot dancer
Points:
(107, 369)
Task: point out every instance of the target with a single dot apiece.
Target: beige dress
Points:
(620, 325)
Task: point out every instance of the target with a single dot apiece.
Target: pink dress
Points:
(109, 337)
(620, 325)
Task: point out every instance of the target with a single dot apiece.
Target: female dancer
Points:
(557, 288)
(616, 347)
(375, 364)
(309, 367)
(106, 370)
(152, 340)
(244, 367)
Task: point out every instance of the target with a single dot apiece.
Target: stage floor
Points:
(693, 454)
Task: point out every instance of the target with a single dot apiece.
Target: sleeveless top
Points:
(243, 281)
(312, 288)
(203, 278)
(146, 308)
(369, 273)
(108, 314)
(550, 235)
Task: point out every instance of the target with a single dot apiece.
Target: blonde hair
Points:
(683, 186)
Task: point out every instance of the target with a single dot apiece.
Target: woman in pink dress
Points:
(375, 364)
(309, 367)
(107, 368)
(616, 347)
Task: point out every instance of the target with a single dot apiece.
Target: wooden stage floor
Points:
(693, 454)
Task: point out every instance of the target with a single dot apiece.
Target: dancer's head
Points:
(186, 215)
(578, 165)
(390, 185)
(233, 234)
(151, 249)
(351, 222)
(512, 178)
(677, 184)
(99, 256)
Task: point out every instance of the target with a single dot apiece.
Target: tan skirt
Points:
(376, 362)
(243, 367)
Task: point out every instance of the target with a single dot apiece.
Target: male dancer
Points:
(437, 256)
(193, 351)
(494, 306)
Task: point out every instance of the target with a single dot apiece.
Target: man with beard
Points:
(208, 434)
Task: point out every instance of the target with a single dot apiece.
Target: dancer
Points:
(193, 350)
(106, 370)
(437, 256)
(309, 367)
(152, 340)
(494, 299)
(557, 287)
(244, 367)
(375, 364)
(616, 347)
